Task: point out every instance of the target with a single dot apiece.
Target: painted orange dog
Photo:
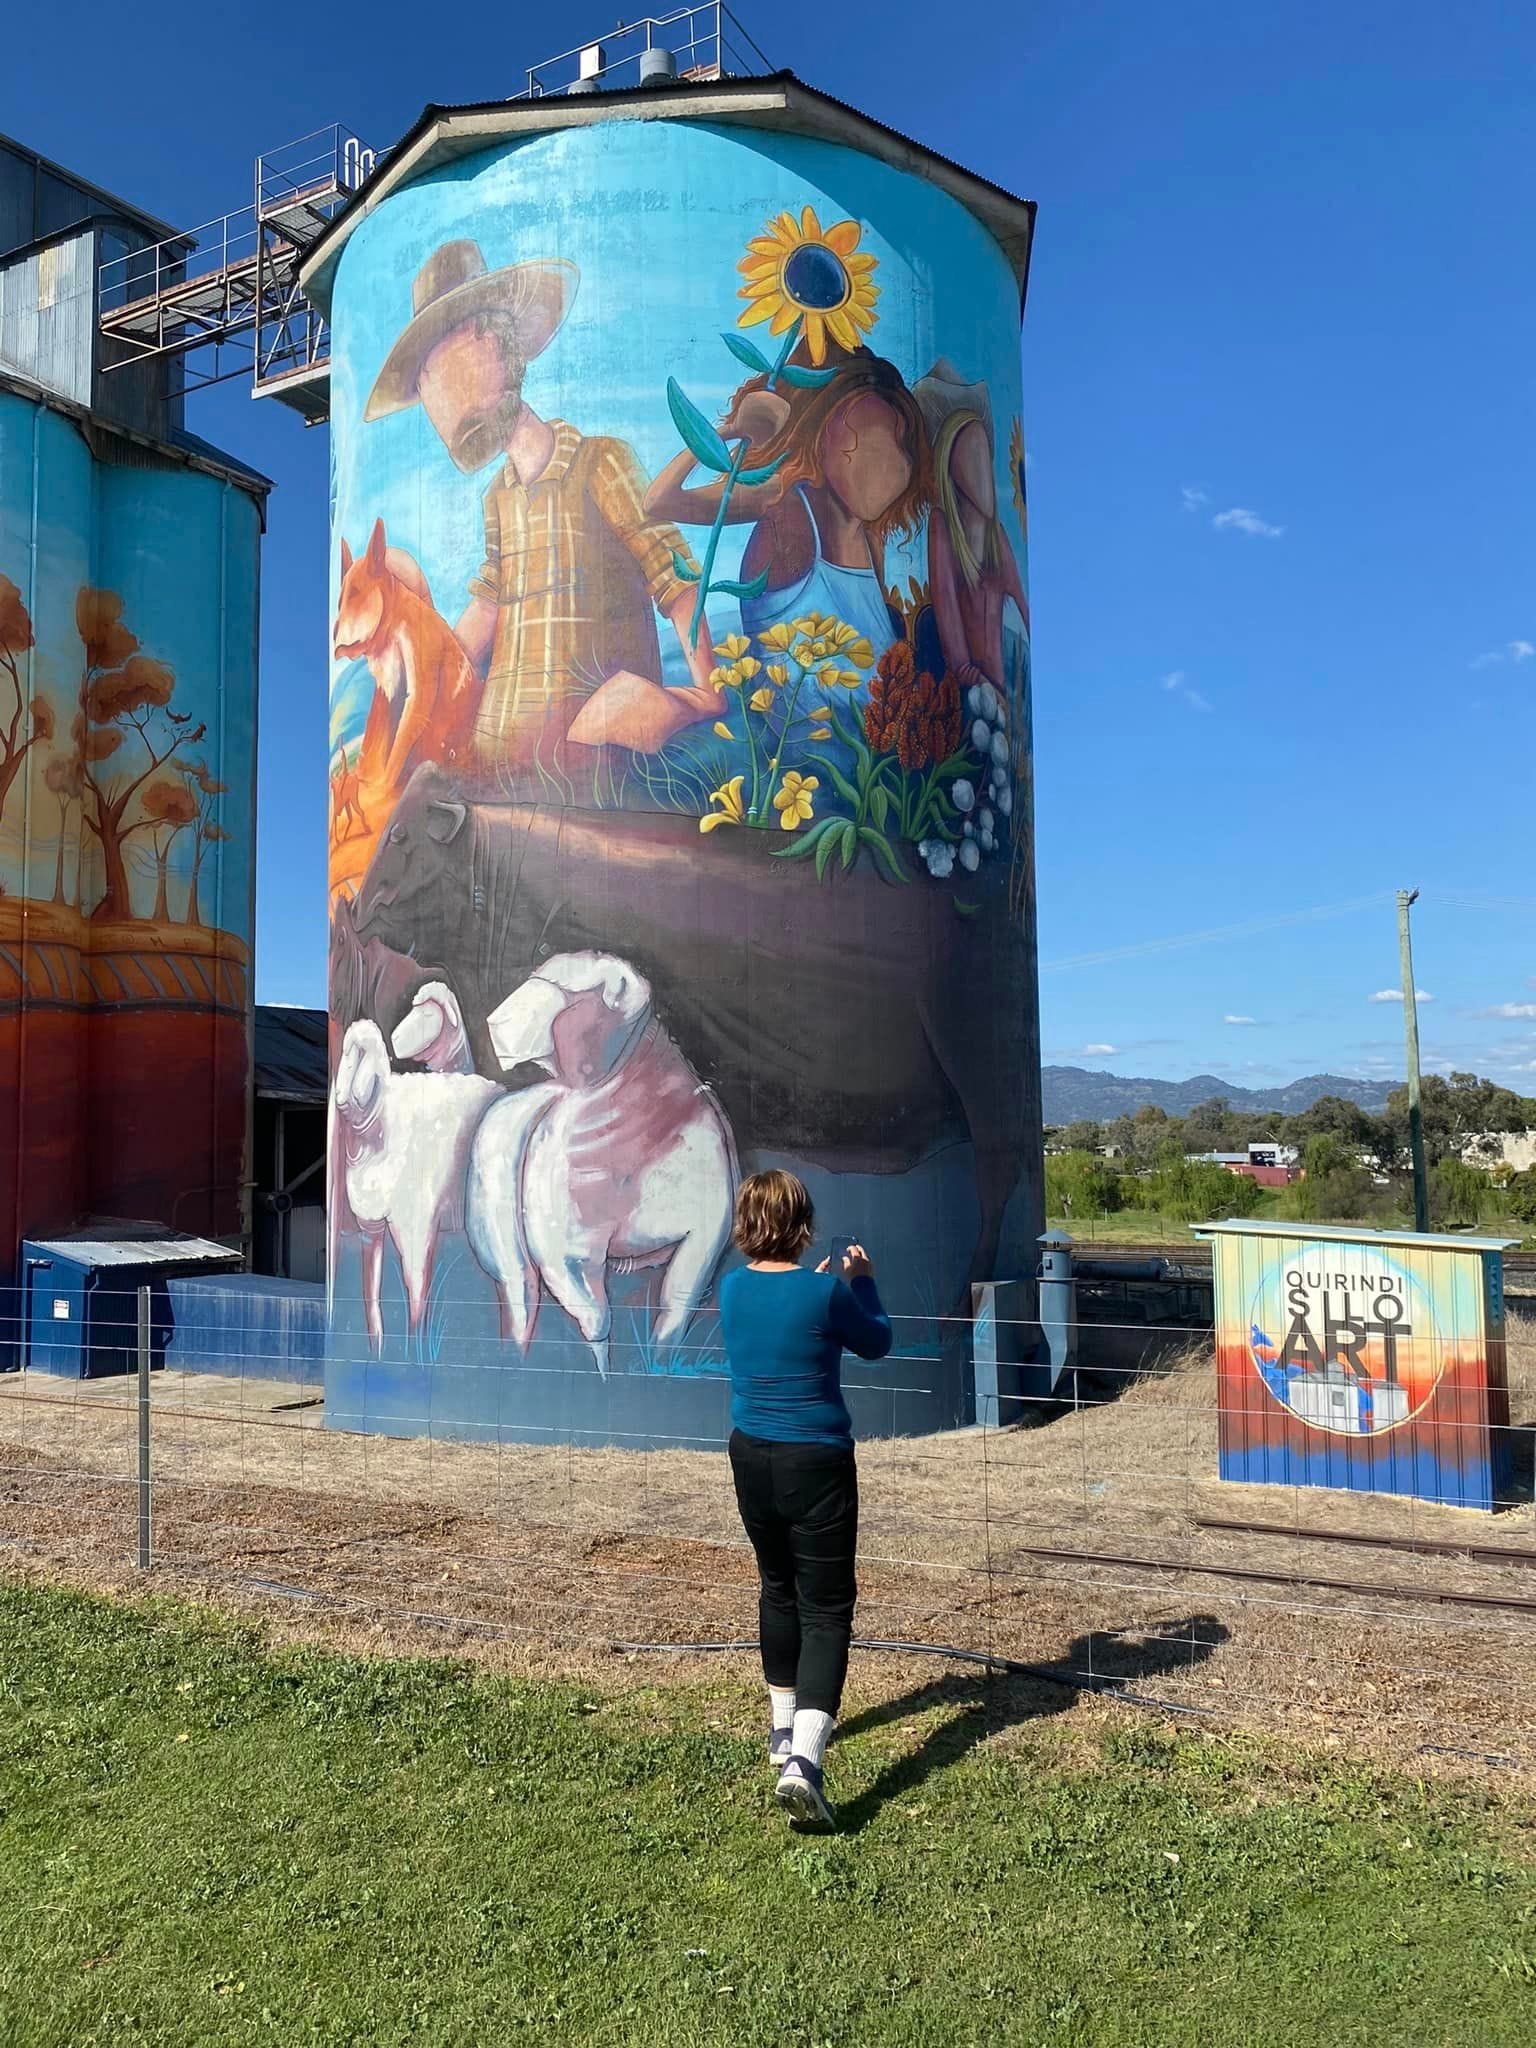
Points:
(425, 693)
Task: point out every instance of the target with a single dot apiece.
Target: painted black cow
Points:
(855, 1023)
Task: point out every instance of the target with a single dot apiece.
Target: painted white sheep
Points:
(624, 1161)
(400, 1149)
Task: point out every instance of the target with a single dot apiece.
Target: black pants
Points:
(800, 1508)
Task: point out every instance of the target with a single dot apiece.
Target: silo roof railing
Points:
(707, 42)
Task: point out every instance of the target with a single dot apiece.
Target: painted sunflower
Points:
(798, 270)
(1016, 471)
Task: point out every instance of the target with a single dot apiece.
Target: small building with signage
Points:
(1371, 1360)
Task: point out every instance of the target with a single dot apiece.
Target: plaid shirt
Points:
(576, 572)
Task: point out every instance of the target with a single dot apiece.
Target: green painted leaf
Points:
(764, 470)
(879, 805)
(699, 436)
(744, 352)
(880, 847)
(850, 839)
(805, 842)
(753, 587)
(681, 566)
(967, 909)
(808, 380)
(840, 782)
(824, 848)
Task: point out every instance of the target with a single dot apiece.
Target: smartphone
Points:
(841, 1246)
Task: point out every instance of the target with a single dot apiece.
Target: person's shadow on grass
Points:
(992, 1700)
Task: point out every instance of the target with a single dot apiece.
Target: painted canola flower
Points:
(794, 801)
(802, 271)
(732, 810)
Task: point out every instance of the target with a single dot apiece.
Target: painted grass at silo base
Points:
(541, 1558)
(212, 1840)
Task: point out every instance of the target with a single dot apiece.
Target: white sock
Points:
(812, 1730)
(781, 1699)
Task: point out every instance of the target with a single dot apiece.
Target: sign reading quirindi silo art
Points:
(1362, 1359)
(680, 785)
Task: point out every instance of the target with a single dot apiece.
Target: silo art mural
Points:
(680, 785)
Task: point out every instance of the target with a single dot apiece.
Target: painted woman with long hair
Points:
(854, 475)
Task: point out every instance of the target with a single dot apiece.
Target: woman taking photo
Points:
(785, 1330)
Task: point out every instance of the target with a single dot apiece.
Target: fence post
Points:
(144, 1508)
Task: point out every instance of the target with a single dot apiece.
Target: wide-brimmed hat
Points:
(450, 288)
(943, 391)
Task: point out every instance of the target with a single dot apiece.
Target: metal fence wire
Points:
(1089, 1541)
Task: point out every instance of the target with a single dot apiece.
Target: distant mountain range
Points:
(1073, 1093)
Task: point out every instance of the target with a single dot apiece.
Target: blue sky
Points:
(1278, 376)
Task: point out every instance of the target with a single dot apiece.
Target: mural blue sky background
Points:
(1278, 389)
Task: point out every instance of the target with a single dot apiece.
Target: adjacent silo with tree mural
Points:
(680, 788)
(128, 603)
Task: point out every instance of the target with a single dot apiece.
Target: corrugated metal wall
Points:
(48, 315)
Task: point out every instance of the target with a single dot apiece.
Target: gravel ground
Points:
(548, 1557)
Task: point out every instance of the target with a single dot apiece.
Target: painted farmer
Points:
(574, 571)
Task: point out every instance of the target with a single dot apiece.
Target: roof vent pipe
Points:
(658, 67)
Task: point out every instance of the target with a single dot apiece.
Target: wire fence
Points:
(1087, 1540)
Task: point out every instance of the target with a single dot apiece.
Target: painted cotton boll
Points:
(970, 856)
(963, 796)
(981, 736)
(1000, 748)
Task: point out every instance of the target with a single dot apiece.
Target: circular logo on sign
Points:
(1345, 1338)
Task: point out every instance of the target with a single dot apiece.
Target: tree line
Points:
(1356, 1165)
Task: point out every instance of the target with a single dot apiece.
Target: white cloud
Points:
(1509, 1010)
(1176, 683)
(1098, 1052)
(1240, 520)
(1395, 995)
(1512, 650)
(1230, 1019)
(1193, 498)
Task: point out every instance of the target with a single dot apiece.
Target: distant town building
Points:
(1269, 1164)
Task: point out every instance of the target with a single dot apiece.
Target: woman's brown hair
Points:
(775, 1217)
(799, 439)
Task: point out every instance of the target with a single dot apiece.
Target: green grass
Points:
(204, 1842)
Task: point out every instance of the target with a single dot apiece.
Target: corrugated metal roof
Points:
(136, 1251)
(292, 1056)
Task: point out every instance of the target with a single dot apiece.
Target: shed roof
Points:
(291, 1054)
(136, 1251)
(779, 101)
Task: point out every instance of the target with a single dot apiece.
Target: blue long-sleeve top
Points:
(785, 1334)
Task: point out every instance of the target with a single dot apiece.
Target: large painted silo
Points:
(680, 773)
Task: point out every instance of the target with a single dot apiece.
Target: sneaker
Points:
(781, 1747)
(799, 1793)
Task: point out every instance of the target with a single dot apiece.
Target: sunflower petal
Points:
(842, 330)
(860, 262)
(810, 226)
(787, 227)
(815, 338)
(750, 315)
(723, 731)
(784, 318)
(842, 237)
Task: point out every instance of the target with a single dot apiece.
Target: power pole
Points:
(1405, 899)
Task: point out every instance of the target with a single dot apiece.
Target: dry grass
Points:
(546, 1556)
